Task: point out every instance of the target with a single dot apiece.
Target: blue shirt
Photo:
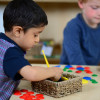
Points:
(81, 43)
(11, 61)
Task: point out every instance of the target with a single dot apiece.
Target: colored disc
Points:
(64, 69)
(94, 75)
(17, 92)
(58, 66)
(24, 90)
(69, 71)
(93, 81)
(68, 66)
(80, 68)
(84, 81)
(72, 68)
(87, 68)
(78, 71)
(87, 78)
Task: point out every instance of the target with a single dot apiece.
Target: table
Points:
(90, 91)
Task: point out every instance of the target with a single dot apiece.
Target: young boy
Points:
(81, 44)
(24, 20)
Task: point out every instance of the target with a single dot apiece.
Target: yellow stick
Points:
(63, 78)
(45, 58)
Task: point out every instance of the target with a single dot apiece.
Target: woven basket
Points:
(59, 89)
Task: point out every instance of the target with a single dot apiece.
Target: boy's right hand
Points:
(57, 73)
(37, 73)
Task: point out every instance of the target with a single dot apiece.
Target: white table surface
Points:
(90, 91)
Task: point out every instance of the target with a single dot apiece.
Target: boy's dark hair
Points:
(24, 13)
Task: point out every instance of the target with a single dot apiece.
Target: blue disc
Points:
(80, 68)
(68, 66)
(87, 78)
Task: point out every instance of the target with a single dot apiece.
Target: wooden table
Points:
(90, 91)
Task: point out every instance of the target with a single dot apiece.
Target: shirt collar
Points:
(3, 36)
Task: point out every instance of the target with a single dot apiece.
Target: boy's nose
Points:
(37, 40)
(98, 12)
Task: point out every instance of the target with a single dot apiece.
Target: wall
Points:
(58, 15)
(1, 17)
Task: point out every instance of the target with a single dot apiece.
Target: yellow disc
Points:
(84, 81)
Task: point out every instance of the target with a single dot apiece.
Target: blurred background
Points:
(59, 12)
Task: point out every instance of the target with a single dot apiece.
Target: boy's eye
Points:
(35, 35)
(94, 7)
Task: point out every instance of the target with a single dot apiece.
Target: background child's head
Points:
(24, 13)
(90, 11)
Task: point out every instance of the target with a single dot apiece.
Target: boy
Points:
(81, 44)
(23, 20)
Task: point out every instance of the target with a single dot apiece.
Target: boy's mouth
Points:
(98, 18)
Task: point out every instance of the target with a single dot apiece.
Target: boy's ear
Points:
(16, 31)
(80, 3)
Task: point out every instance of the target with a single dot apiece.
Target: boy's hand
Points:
(37, 73)
(57, 73)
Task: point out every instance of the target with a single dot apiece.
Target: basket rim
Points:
(54, 82)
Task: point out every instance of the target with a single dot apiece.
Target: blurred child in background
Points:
(81, 44)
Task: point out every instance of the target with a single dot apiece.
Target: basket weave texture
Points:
(59, 89)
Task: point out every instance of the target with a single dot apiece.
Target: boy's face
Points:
(91, 12)
(30, 38)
